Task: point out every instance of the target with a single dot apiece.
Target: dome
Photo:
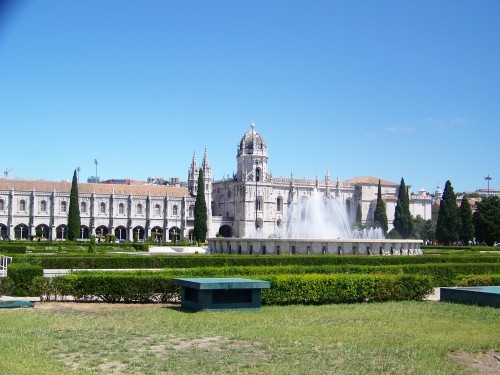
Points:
(252, 143)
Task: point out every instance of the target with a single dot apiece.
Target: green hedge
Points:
(285, 289)
(5, 285)
(478, 280)
(327, 289)
(106, 261)
(21, 275)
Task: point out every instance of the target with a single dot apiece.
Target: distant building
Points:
(254, 198)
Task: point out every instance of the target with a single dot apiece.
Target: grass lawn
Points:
(383, 338)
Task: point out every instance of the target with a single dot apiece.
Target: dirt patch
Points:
(95, 307)
(479, 363)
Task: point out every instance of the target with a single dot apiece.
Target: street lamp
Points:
(256, 195)
(488, 178)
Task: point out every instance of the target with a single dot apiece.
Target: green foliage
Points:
(380, 215)
(403, 221)
(5, 285)
(478, 280)
(467, 227)
(393, 234)
(424, 229)
(487, 220)
(325, 289)
(448, 223)
(359, 215)
(200, 211)
(74, 221)
(92, 244)
(21, 276)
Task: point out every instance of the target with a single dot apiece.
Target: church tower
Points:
(252, 157)
(207, 177)
(193, 173)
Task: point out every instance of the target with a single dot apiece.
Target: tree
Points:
(200, 211)
(487, 220)
(424, 229)
(403, 221)
(448, 223)
(380, 215)
(74, 211)
(467, 228)
(359, 215)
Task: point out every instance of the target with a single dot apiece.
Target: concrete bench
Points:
(220, 293)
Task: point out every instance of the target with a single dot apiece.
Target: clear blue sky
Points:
(383, 88)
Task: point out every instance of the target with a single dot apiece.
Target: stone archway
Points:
(174, 234)
(121, 233)
(61, 232)
(42, 231)
(3, 231)
(84, 232)
(138, 232)
(21, 232)
(157, 234)
(226, 231)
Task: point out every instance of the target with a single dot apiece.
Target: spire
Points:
(194, 164)
(205, 164)
(252, 126)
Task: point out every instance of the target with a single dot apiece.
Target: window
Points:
(22, 205)
(43, 206)
(83, 207)
(139, 209)
(121, 209)
(257, 205)
(2, 205)
(279, 204)
(157, 210)
(174, 210)
(191, 211)
(257, 174)
(63, 206)
(102, 208)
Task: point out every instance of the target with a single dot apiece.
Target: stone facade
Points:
(254, 198)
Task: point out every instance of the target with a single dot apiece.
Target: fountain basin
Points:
(294, 246)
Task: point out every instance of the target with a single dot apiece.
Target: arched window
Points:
(157, 210)
(279, 204)
(43, 206)
(63, 206)
(2, 205)
(257, 204)
(121, 208)
(22, 205)
(175, 210)
(139, 209)
(257, 174)
(83, 207)
(102, 208)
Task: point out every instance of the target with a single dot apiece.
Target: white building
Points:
(254, 198)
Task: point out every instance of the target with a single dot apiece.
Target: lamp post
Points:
(256, 195)
(488, 178)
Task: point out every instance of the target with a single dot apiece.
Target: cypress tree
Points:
(448, 223)
(359, 216)
(467, 228)
(200, 211)
(380, 215)
(74, 211)
(403, 221)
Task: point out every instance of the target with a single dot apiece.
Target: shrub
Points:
(324, 289)
(478, 280)
(22, 275)
(5, 285)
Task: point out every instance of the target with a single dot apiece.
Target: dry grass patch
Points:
(478, 363)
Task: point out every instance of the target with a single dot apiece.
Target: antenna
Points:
(95, 162)
(6, 172)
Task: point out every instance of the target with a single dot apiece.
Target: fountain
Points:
(316, 225)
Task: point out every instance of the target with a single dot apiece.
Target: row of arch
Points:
(63, 207)
(21, 231)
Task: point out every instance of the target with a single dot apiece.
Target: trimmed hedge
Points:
(21, 275)
(327, 289)
(478, 280)
(285, 289)
(5, 285)
(116, 261)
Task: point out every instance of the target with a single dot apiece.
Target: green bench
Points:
(220, 293)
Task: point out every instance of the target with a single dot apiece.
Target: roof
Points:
(370, 180)
(89, 188)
